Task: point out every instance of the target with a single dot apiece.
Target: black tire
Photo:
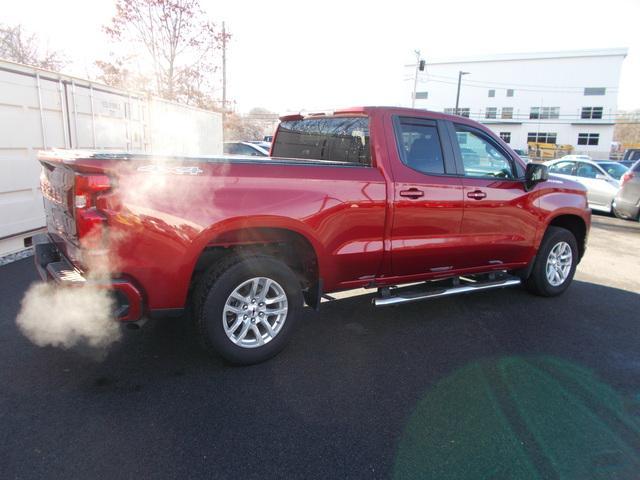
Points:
(616, 214)
(216, 286)
(538, 282)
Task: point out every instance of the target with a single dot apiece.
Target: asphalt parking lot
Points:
(496, 385)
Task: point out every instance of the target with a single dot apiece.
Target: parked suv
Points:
(627, 201)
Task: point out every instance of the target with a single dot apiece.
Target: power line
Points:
(484, 86)
(490, 82)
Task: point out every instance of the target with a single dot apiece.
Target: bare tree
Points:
(627, 128)
(20, 46)
(171, 49)
(243, 128)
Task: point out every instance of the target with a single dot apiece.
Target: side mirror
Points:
(535, 173)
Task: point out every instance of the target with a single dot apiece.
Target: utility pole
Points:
(415, 79)
(460, 73)
(224, 71)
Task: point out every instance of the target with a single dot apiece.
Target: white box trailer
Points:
(41, 109)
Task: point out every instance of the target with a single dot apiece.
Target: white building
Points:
(565, 98)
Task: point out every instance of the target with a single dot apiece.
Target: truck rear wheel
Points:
(246, 308)
(555, 263)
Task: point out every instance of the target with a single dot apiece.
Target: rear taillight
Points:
(91, 223)
(626, 177)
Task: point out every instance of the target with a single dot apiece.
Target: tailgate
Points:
(56, 181)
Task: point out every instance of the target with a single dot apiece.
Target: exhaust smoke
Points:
(68, 316)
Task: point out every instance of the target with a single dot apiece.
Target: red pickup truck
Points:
(373, 197)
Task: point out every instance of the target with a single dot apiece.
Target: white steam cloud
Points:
(68, 316)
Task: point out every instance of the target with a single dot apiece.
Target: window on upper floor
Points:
(509, 92)
(506, 137)
(588, 138)
(492, 93)
(544, 112)
(507, 112)
(591, 112)
(491, 112)
(595, 90)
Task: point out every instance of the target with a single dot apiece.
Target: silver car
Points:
(627, 201)
(600, 178)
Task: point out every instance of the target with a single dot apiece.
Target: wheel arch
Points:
(575, 224)
(283, 239)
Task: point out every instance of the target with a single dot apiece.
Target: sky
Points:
(294, 55)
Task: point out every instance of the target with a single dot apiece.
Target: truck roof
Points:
(364, 110)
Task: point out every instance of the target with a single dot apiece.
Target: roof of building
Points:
(502, 57)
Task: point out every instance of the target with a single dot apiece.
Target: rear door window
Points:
(586, 170)
(340, 139)
(420, 147)
(563, 168)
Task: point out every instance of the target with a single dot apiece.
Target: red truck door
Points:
(499, 223)
(428, 201)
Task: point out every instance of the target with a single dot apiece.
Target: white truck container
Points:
(40, 109)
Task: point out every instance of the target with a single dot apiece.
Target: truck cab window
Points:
(339, 139)
(480, 157)
(420, 147)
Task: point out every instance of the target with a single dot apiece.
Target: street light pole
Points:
(460, 73)
(415, 79)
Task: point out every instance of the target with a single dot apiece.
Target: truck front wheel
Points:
(246, 308)
(555, 263)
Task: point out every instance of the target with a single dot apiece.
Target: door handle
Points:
(412, 193)
(477, 195)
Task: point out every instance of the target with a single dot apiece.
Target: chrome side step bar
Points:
(443, 288)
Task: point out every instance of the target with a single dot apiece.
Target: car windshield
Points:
(615, 169)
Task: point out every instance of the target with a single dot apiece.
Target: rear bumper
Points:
(52, 265)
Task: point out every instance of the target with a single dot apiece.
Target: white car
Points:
(575, 157)
(246, 149)
(601, 178)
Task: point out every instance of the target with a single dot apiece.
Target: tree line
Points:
(166, 48)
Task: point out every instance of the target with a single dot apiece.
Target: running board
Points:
(443, 288)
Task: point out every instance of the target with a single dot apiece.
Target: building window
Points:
(491, 112)
(591, 112)
(595, 91)
(492, 93)
(509, 92)
(544, 112)
(542, 137)
(588, 138)
(463, 112)
(506, 137)
(507, 112)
